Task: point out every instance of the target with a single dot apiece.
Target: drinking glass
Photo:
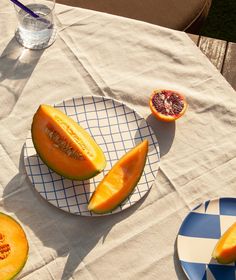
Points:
(40, 32)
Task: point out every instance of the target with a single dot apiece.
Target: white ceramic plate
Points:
(198, 236)
(116, 128)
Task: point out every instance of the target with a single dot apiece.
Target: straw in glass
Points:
(26, 9)
(29, 11)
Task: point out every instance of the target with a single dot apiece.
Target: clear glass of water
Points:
(36, 33)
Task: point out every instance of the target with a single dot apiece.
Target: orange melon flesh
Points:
(225, 249)
(12, 235)
(120, 180)
(89, 160)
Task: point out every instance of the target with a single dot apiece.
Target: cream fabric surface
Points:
(124, 59)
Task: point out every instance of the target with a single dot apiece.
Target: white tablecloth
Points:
(124, 59)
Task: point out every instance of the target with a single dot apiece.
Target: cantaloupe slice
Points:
(120, 180)
(225, 249)
(13, 247)
(64, 146)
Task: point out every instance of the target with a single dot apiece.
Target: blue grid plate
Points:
(198, 236)
(116, 128)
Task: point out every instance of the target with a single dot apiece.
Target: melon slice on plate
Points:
(13, 247)
(120, 180)
(225, 249)
(64, 146)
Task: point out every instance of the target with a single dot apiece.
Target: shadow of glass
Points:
(178, 269)
(68, 235)
(165, 133)
(16, 66)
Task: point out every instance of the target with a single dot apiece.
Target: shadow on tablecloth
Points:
(55, 234)
(178, 269)
(164, 131)
(16, 66)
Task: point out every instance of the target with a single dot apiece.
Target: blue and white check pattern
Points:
(116, 128)
(198, 236)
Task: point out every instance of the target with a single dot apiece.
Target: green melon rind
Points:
(220, 260)
(27, 252)
(79, 178)
(19, 270)
(119, 203)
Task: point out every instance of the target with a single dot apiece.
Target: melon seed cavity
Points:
(63, 144)
(75, 137)
(2, 237)
(4, 248)
(4, 251)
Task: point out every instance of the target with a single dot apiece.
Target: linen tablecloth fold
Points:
(100, 54)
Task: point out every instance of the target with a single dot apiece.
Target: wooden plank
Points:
(221, 53)
(229, 66)
(214, 49)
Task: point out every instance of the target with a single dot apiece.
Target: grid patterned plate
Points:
(116, 128)
(198, 236)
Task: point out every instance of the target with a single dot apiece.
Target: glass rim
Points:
(53, 3)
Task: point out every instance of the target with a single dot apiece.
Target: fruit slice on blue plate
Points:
(225, 249)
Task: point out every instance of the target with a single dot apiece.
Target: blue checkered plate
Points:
(116, 128)
(198, 236)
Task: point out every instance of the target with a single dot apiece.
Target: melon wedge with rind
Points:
(120, 181)
(225, 249)
(64, 146)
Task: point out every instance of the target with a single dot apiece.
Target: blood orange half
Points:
(167, 105)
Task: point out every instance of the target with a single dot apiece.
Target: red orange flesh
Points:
(167, 105)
